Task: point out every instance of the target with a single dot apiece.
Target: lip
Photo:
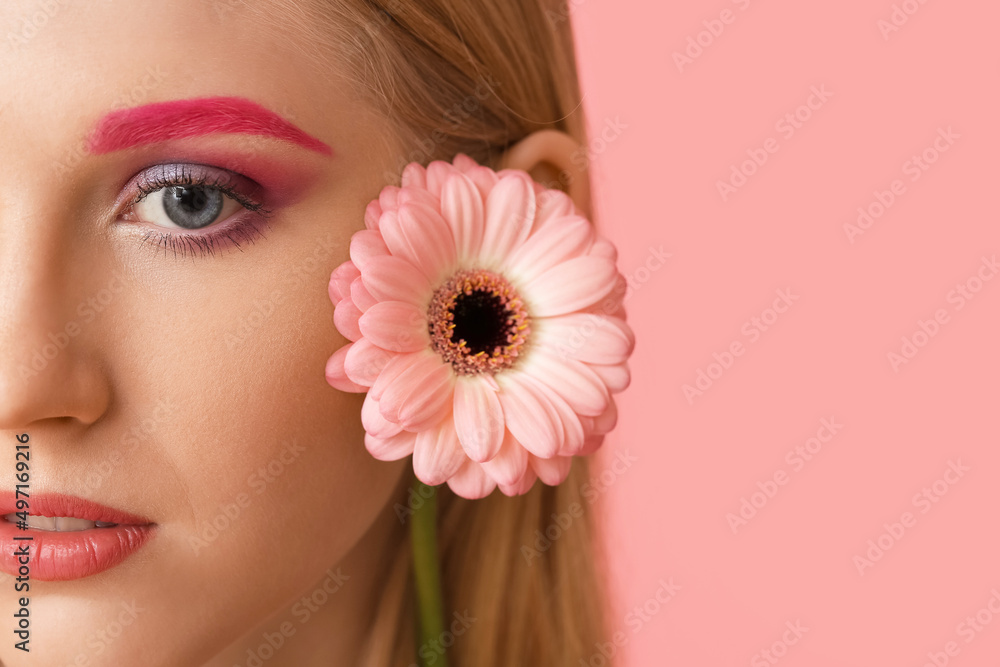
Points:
(64, 556)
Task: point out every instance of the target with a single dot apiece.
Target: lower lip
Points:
(64, 556)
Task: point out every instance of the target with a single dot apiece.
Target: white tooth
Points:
(68, 525)
(42, 522)
(55, 523)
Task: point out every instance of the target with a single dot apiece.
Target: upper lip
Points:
(57, 504)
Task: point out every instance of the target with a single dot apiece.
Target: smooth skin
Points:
(151, 407)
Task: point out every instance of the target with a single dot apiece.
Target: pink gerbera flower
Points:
(486, 326)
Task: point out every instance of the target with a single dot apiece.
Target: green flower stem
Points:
(426, 571)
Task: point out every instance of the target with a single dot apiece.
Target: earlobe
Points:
(555, 160)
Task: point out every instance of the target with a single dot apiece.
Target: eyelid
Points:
(241, 227)
(160, 176)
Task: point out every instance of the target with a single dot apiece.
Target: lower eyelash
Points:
(246, 230)
(234, 235)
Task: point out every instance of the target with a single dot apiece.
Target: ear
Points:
(555, 160)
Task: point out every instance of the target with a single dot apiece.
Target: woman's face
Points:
(180, 379)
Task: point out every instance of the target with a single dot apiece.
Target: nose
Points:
(49, 368)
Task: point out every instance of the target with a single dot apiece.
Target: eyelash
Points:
(229, 233)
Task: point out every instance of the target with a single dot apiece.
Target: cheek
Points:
(271, 459)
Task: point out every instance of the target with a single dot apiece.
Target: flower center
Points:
(477, 322)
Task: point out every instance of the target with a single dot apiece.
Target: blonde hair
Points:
(476, 77)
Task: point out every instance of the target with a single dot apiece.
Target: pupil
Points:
(192, 207)
(480, 319)
(192, 200)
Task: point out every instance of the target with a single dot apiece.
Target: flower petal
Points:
(570, 425)
(510, 463)
(419, 196)
(617, 377)
(528, 415)
(365, 361)
(430, 401)
(573, 380)
(522, 486)
(366, 244)
(346, 317)
(471, 482)
(604, 248)
(340, 281)
(485, 179)
(414, 176)
(464, 163)
(571, 285)
(395, 326)
(553, 204)
(559, 241)
(606, 421)
(422, 236)
(390, 449)
(437, 454)
(510, 215)
(391, 278)
(393, 369)
(613, 304)
(478, 417)
(373, 421)
(372, 213)
(388, 199)
(335, 374)
(361, 297)
(438, 172)
(591, 444)
(462, 209)
(416, 383)
(552, 471)
(594, 339)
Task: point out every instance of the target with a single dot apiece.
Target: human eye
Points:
(193, 208)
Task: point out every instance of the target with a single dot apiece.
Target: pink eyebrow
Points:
(160, 121)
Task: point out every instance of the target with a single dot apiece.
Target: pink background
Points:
(670, 134)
